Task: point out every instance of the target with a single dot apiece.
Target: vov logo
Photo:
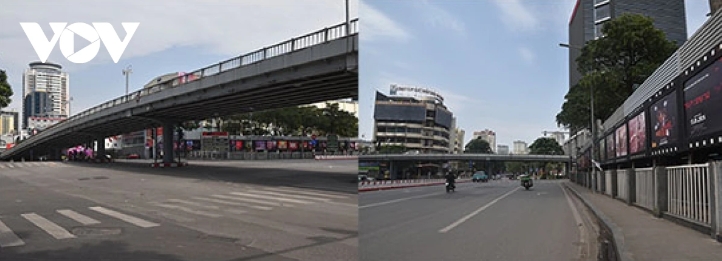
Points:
(66, 35)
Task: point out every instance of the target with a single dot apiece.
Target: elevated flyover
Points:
(312, 68)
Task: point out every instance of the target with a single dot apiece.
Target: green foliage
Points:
(478, 145)
(630, 51)
(5, 90)
(545, 146)
(294, 121)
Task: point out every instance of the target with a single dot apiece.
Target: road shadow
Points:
(105, 250)
(267, 176)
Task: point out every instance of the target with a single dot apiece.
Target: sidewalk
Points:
(641, 236)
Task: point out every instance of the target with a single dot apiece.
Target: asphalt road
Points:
(264, 210)
(498, 220)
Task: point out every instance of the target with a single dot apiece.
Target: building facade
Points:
(502, 149)
(456, 142)
(589, 16)
(9, 123)
(46, 94)
(520, 147)
(349, 106)
(487, 135)
(414, 122)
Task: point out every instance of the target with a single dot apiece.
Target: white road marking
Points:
(290, 196)
(130, 219)
(51, 228)
(398, 200)
(185, 209)
(476, 212)
(578, 219)
(8, 238)
(195, 204)
(286, 189)
(252, 200)
(271, 198)
(82, 219)
(232, 203)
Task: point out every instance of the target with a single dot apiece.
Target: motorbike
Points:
(527, 183)
(450, 187)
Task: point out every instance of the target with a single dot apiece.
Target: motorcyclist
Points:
(451, 179)
(525, 178)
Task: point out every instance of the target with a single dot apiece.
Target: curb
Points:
(618, 237)
(409, 186)
(168, 165)
(336, 157)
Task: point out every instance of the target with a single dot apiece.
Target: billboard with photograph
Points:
(663, 118)
(637, 134)
(703, 102)
(621, 141)
(610, 147)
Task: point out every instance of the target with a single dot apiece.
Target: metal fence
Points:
(645, 188)
(689, 193)
(623, 184)
(608, 182)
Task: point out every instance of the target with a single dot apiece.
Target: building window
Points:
(598, 30)
(602, 12)
(599, 2)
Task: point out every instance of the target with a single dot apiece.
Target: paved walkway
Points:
(646, 237)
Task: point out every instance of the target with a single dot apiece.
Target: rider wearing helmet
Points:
(451, 179)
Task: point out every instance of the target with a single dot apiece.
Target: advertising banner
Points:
(239, 145)
(271, 145)
(610, 147)
(703, 102)
(663, 115)
(637, 134)
(621, 141)
(282, 145)
(260, 145)
(293, 145)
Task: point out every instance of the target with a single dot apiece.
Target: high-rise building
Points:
(456, 141)
(589, 16)
(502, 149)
(9, 123)
(414, 119)
(46, 95)
(520, 147)
(487, 135)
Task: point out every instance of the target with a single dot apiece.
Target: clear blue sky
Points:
(173, 36)
(497, 62)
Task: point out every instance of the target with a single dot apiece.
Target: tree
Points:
(478, 145)
(630, 51)
(545, 146)
(5, 90)
(295, 121)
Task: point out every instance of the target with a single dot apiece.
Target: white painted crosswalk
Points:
(46, 225)
(31, 164)
(250, 200)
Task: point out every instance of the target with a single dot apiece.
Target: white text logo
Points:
(94, 34)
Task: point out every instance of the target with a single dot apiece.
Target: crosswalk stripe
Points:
(185, 209)
(230, 210)
(8, 238)
(272, 198)
(290, 196)
(233, 203)
(289, 190)
(130, 219)
(51, 228)
(82, 219)
(252, 200)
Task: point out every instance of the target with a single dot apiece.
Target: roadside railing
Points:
(689, 193)
(644, 188)
(622, 184)
(608, 182)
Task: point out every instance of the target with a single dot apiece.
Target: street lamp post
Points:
(127, 71)
(591, 105)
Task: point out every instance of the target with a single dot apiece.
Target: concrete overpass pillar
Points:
(168, 142)
(101, 148)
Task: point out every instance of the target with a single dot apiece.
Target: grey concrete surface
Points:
(483, 221)
(290, 210)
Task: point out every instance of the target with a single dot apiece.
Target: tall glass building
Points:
(45, 95)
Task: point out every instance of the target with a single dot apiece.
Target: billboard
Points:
(621, 141)
(703, 102)
(610, 146)
(663, 114)
(637, 134)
